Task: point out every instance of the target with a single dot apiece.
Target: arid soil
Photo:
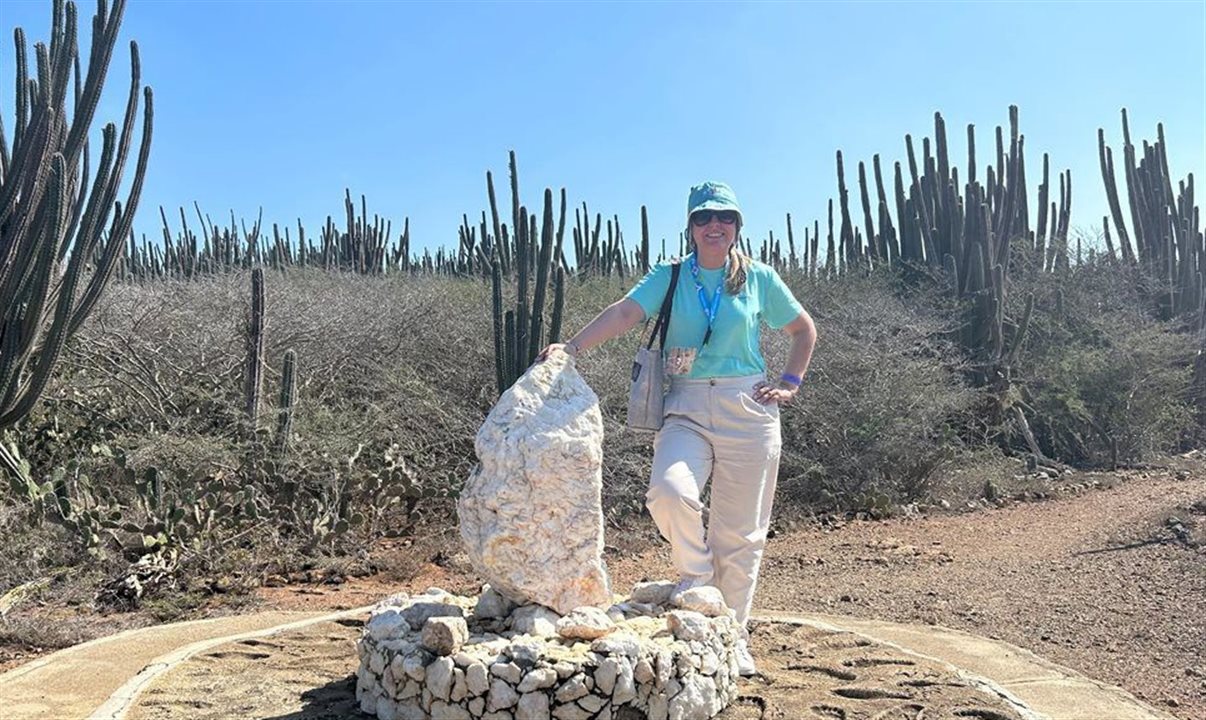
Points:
(308, 674)
(1107, 577)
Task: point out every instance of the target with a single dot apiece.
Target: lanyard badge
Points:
(709, 308)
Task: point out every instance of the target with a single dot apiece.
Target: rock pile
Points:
(439, 655)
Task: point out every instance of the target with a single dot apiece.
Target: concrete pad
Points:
(1038, 687)
(1085, 699)
(75, 681)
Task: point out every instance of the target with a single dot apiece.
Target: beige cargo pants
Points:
(714, 430)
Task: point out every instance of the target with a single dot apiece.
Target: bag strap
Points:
(663, 315)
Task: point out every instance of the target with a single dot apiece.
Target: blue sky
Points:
(282, 104)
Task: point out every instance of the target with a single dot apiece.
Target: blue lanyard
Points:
(709, 308)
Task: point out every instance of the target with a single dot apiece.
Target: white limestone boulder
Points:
(531, 513)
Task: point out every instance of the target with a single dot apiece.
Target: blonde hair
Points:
(738, 269)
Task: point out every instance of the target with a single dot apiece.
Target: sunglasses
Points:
(703, 217)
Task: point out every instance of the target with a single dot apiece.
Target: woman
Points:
(721, 413)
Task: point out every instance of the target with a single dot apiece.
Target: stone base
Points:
(439, 655)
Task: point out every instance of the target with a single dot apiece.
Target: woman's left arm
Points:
(803, 332)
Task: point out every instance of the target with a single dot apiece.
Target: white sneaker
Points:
(745, 661)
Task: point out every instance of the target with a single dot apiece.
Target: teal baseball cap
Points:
(713, 195)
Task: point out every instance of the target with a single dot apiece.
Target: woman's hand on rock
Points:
(567, 348)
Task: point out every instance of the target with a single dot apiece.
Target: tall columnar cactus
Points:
(52, 225)
(253, 369)
(1165, 227)
(284, 408)
(519, 334)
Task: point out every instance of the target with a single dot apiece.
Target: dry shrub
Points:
(884, 405)
(1103, 382)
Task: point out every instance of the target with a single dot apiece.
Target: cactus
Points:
(254, 363)
(51, 225)
(519, 334)
(288, 396)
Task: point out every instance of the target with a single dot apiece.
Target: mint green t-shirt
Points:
(733, 349)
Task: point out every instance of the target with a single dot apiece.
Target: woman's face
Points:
(716, 236)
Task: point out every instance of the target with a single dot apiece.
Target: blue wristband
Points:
(793, 379)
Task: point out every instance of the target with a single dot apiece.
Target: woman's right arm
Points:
(615, 320)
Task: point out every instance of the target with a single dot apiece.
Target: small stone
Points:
(377, 663)
(410, 688)
(665, 668)
(508, 671)
(459, 687)
(697, 699)
(705, 600)
(477, 706)
(443, 711)
(525, 654)
(538, 679)
(501, 695)
(625, 644)
(571, 689)
(492, 604)
(570, 711)
(418, 613)
(659, 707)
(532, 706)
(444, 635)
(585, 623)
(592, 703)
(687, 625)
(534, 620)
(387, 709)
(653, 593)
(415, 667)
(439, 678)
(605, 676)
(643, 671)
(476, 679)
(625, 689)
(387, 623)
